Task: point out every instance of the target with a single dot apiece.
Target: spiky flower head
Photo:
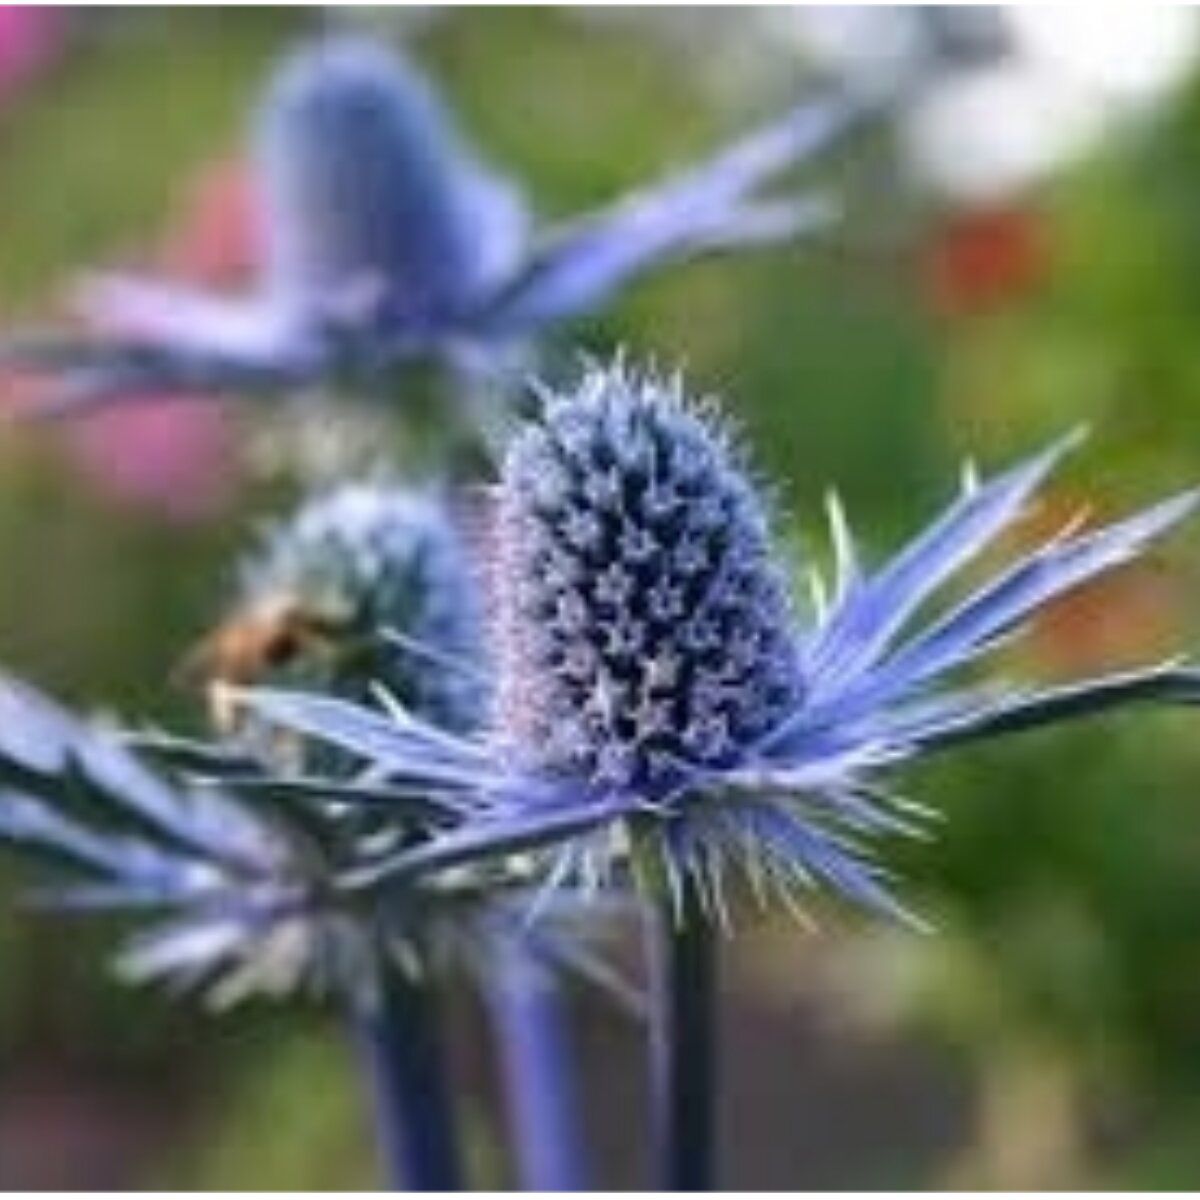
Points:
(643, 627)
(235, 890)
(366, 585)
(389, 244)
(656, 696)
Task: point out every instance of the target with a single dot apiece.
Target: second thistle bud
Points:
(368, 583)
(643, 629)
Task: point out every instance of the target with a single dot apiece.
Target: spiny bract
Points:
(232, 894)
(643, 627)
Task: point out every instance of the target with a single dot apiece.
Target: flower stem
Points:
(402, 1053)
(544, 1106)
(683, 1051)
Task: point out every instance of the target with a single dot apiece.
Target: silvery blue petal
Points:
(995, 611)
(803, 844)
(1034, 710)
(208, 759)
(249, 331)
(40, 738)
(871, 615)
(492, 836)
(712, 205)
(1026, 587)
(105, 897)
(412, 754)
(26, 820)
(87, 374)
(187, 949)
(399, 803)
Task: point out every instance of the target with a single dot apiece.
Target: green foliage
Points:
(290, 1118)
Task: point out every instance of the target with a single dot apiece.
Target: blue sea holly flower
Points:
(657, 692)
(367, 585)
(238, 852)
(642, 626)
(387, 240)
(368, 184)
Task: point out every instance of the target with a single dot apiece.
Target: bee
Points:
(268, 636)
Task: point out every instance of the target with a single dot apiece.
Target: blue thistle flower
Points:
(388, 241)
(367, 585)
(652, 678)
(642, 625)
(364, 593)
(235, 886)
(249, 846)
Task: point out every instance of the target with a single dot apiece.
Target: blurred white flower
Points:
(995, 98)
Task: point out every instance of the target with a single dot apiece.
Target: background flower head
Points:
(370, 195)
(387, 243)
(366, 586)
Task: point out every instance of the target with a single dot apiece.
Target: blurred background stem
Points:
(401, 1048)
(537, 1067)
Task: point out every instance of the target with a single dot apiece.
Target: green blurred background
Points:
(1048, 1034)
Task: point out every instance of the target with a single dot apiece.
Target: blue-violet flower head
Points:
(643, 627)
(652, 680)
(389, 243)
(366, 182)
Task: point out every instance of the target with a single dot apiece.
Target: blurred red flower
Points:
(982, 259)
(214, 236)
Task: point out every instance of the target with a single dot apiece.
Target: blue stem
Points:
(683, 1050)
(545, 1112)
(402, 1053)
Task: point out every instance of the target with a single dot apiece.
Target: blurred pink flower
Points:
(30, 39)
(171, 454)
(214, 239)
